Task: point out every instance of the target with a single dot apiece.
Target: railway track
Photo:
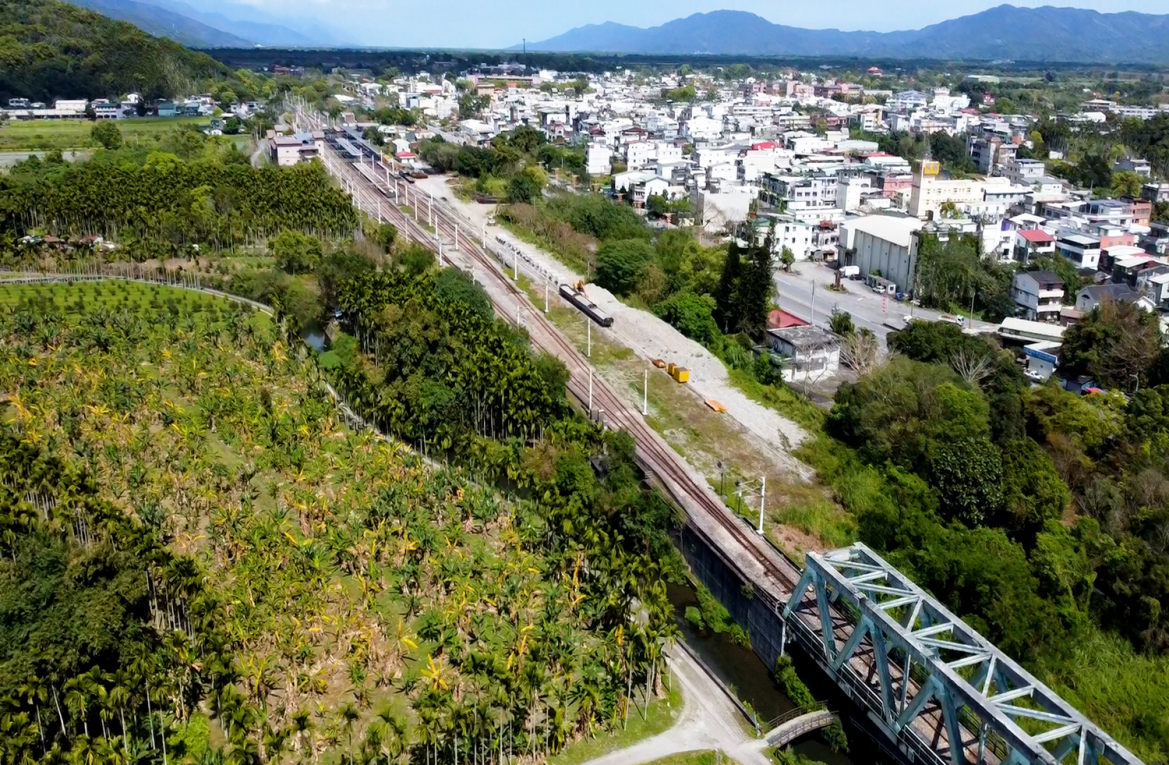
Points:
(378, 192)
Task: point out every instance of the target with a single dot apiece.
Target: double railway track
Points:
(378, 192)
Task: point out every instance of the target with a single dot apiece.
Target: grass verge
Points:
(660, 717)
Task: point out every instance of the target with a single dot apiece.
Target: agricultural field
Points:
(74, 134)
(73, 301)
(358, 600)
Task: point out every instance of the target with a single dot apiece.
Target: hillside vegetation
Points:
(51, 50)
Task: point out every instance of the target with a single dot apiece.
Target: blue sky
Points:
(502, 23)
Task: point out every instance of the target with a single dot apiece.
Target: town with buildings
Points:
(801, 156)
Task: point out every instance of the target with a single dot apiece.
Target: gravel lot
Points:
(649, 336)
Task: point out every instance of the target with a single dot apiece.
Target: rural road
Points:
(709, 720)
(10, 158)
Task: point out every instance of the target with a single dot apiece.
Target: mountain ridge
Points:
(254, 24)
(162, 22)
(1002, 32)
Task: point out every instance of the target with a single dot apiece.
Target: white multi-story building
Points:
(807, 197)
(598, 159)
(639, 154)
(907, 101)
(1024, 172)
(930, 193)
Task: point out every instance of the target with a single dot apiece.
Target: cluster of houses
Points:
(128, 107)
(784, 152)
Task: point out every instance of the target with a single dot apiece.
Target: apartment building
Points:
(1038, 295)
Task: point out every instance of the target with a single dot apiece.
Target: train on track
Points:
(576, 296)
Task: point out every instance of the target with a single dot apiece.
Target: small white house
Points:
(809, 353)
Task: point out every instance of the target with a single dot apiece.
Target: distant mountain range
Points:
(215, 24)
(1005, 32)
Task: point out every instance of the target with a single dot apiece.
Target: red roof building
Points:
(782, 320)
(1037, 236)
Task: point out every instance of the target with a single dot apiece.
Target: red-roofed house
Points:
(1033, 243)
(782, 320)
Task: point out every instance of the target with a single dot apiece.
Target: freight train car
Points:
(579, 299)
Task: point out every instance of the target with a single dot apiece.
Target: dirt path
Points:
(708, 721)
(648, 336)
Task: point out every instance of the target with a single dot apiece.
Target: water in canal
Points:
(749, 680)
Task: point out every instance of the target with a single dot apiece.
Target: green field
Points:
(74, 134)
(73, 300)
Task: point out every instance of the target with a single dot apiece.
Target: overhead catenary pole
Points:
(762, 501)
(645, 396)
(545, 298)
(590, 392)
(589, 332)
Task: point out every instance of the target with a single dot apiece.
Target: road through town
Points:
(877, 313)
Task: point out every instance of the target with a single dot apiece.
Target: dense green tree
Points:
(107, 134)
(296, 253)
(454, 287)
(416, 259)
(1126, 183)
(335, 268)
(526, 186)
(905, 411)
(690, 314)
(968, 476)
(728, 287)
(842, 324)
(620, 263)
(1032, 489)
(387, 234)
(1116, 344)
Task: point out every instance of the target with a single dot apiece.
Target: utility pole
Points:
(590, 393)
(762, 502)
(545, 298)
(813, 318)
(515, 265)
(589, 332)
(645, 396)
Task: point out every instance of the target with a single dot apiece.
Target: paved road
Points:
(10, 158)
(866, 307)
(709, 721)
